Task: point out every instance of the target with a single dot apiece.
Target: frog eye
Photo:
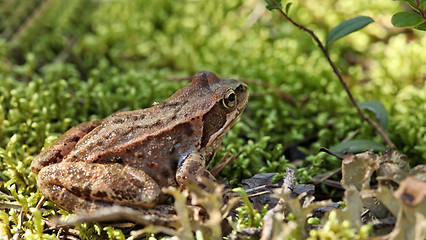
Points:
(229, 99)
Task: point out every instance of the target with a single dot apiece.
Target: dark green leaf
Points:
(378, 109)
(356, 146)
(287, 7)
(407, 19)
(412, 3)
(270, 5)
(347, 27)
(421, 27)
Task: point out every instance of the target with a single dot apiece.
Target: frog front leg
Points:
(81, 186)
(192, 167)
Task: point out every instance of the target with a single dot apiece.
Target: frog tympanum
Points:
(128, 157)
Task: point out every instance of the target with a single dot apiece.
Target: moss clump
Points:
(59, 68)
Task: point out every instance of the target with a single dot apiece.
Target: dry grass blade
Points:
(118, 213)
(222, 163)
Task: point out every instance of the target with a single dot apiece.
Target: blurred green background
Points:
(65, 62)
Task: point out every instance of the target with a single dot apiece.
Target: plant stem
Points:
(324, 50)
(421, 11)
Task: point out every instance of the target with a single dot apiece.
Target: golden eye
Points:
(229, 99)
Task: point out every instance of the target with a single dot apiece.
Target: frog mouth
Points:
(235, 115)
(227, 125)
(238, 112)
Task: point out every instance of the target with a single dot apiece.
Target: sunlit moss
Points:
(96, 59)
(333, 229)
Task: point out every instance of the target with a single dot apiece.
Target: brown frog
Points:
(128, 157)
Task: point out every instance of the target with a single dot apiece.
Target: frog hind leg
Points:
(62, 146)
(192, 167)
(81, 186)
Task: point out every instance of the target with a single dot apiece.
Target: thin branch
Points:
(17, 234)
(421, 11)
(378, 128)
(222, 164)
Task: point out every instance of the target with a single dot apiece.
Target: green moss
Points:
(333, 229)
(66, 67)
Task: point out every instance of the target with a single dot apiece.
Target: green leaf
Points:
(270, 5)
(378, 109)
(287, 7)
(357, 146)
(406, 19)
(412, 3)
(421, 27)
(347, 27)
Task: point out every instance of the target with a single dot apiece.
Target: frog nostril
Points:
(242, 88)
